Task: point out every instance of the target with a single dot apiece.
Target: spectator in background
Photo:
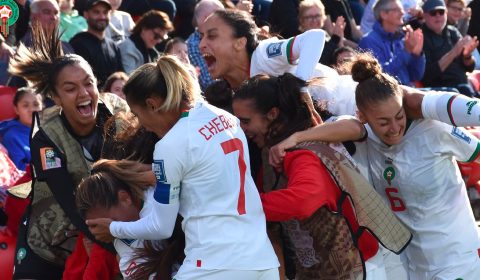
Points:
(474, 29)
(93, 45)
(137, 8)
(6, 51)
(448, 54)
(458, 15)
(412, 8)
(46, 14)
(115, 83)
(178, 48)
(284, 17)
(151, 29)
(398, 51)
(312, 16)
(71, 22)
(357, 8)
(121, 23)
(340, 57)
(337, 8)
(15, 134)
(202, 10)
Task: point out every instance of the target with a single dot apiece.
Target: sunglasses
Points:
(157, 36)
(436, 12)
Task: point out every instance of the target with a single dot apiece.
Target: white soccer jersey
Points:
(205, 154)
(274, 57)
(126, 247)
(420, 180)
(338, 93)
(126, 251)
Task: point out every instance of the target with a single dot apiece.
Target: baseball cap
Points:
(431, 5)
(91, 3)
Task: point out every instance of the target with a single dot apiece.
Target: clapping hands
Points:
(413, 40)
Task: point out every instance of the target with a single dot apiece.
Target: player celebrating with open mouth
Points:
(202, 170)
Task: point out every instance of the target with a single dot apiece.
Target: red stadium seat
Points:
(7, 251)
(6, 103)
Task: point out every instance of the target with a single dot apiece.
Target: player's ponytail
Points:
(373, 85)
(168, 79)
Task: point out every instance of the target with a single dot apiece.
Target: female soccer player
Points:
(270, 109)
(412, 166)
(202, 171)
(233, 52)
(122, 190)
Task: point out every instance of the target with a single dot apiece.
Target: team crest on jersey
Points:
(389, 174)
(159, 170)
(470, 105)
(274, 49)
(50, 159)
(461, 135)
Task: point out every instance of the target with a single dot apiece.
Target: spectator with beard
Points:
(93, 45)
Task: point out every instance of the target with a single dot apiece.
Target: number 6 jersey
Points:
(420, 180)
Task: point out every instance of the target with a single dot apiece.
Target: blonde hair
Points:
(107, 178)
(307, 4)
(168, 79)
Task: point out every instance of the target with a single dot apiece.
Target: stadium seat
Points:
(6, 103)
(7, 251)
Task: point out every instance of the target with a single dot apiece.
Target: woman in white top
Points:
(412, 166)
(202, 172)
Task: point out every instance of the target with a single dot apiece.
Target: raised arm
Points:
(454, 109)
(447, 107)
(339, 131)
(307, 48)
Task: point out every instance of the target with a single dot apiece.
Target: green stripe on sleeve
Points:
(449, 109)
(475, 153)
(290, 50)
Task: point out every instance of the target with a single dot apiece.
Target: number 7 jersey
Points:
(203, 161)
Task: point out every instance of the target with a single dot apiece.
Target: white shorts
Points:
(195, 273)
(465, 271)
